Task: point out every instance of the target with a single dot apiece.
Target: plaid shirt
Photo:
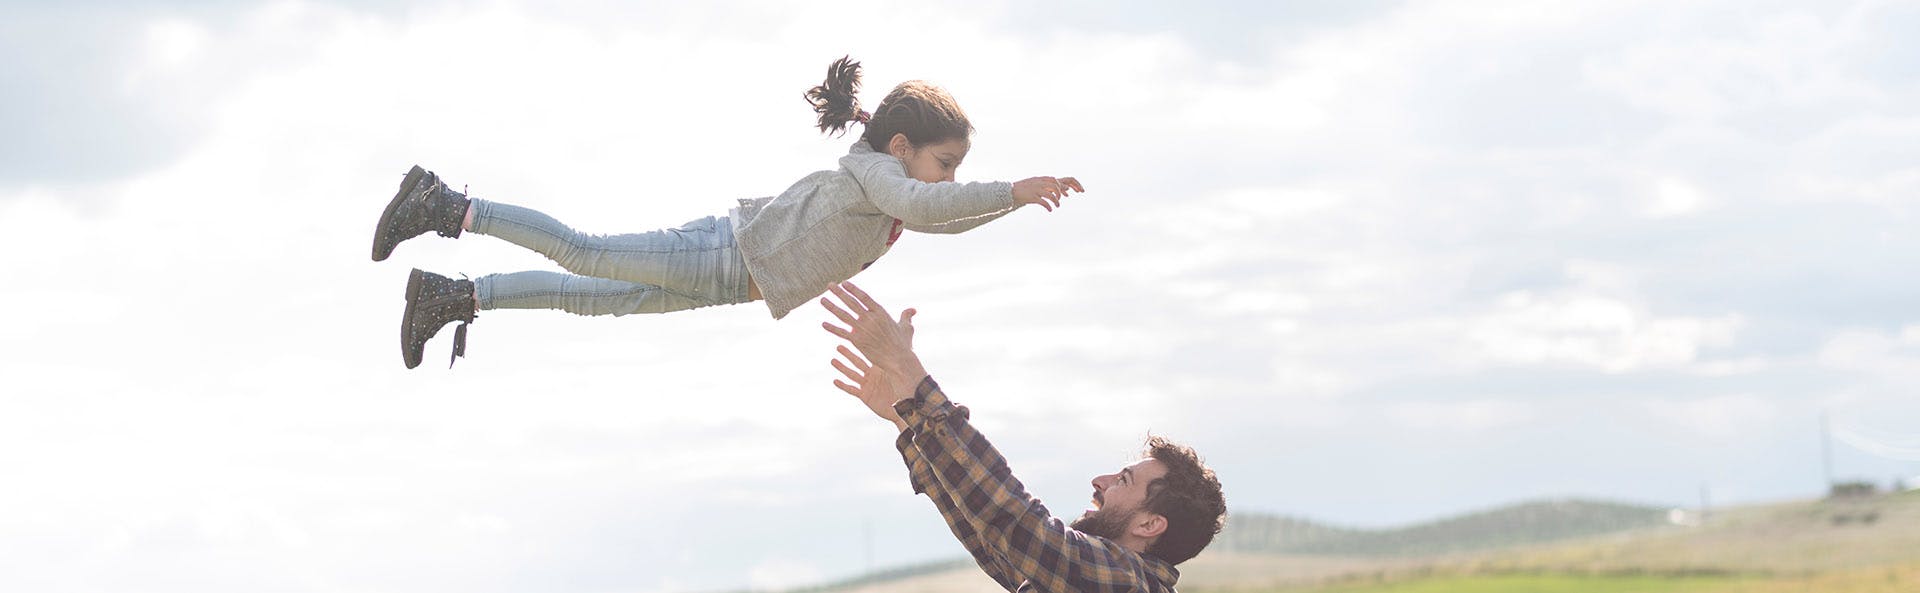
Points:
(1010, 534)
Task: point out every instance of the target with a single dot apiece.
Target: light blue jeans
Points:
(696, 265)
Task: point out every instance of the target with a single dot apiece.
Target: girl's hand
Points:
(1044, 191)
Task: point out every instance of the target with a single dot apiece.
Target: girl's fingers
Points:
(1073, 183)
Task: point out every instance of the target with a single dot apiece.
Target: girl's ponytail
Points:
(834, 99)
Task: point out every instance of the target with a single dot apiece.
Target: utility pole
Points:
(1826, 450)
(1704, 507)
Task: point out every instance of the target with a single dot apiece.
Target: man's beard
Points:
(1110, 525)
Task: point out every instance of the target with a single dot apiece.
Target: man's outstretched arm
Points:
(870, 385)
(1009, 527)
(1011, 524)
(924, 482)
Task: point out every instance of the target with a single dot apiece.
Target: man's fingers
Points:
(844, 316)
(835, 330)
(858, 363)
(854, 305)
(865, 301)
(851, 375)
(1073, 183)
(851, 390)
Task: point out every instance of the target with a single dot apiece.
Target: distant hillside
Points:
(1272, 533)
(1804, 537)
(1823, 545)
(1267, 547)
(1516, 525)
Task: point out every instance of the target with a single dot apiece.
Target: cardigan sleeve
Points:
(915, 202)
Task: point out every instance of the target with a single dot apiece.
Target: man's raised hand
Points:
(874, 388)
(889, 371)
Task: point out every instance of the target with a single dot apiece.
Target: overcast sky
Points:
(1380, 262)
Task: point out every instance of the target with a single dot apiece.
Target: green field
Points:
(1544, 584)
(1884, 579)
(1863, 545)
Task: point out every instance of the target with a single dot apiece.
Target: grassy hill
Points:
(1868, 545)
(1521, 524)
(1787, 539)
(1864, 545)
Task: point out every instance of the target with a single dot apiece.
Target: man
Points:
(1146, 518)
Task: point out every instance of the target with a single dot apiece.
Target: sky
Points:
(1379, 262)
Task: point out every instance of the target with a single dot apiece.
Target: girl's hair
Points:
(921, 110)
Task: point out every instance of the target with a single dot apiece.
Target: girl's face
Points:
(932, 163)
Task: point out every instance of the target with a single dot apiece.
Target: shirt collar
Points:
(1160, 570)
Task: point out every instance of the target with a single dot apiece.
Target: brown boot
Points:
(422, 204)
(432, 302)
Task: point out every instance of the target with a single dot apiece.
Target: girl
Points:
(785, 249)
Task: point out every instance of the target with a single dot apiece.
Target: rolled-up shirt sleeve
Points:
(921, 475)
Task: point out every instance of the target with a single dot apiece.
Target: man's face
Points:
(1118, 498)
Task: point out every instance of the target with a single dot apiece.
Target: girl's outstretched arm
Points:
(888, 188)
(1037, 190)
(960, 226)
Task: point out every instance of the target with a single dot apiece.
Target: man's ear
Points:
(1148, 525)
(900, 147)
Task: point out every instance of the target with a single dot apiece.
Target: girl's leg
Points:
(698, 259)
(583, 295)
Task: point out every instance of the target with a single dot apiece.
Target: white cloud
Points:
(1774, 61)
(1675, 197)
(1337, 238)
(174, 42)
(1594, 331)
(1717, 418)
(1459, 417)
(1869, 351)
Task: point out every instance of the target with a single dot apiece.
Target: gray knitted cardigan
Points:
(832, 224)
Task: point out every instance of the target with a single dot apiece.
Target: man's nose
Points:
(1100, 482)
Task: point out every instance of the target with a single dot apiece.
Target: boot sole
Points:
(382, 243)
(415, 283)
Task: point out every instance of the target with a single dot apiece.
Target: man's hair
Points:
(1188, 496)
(921, 110)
